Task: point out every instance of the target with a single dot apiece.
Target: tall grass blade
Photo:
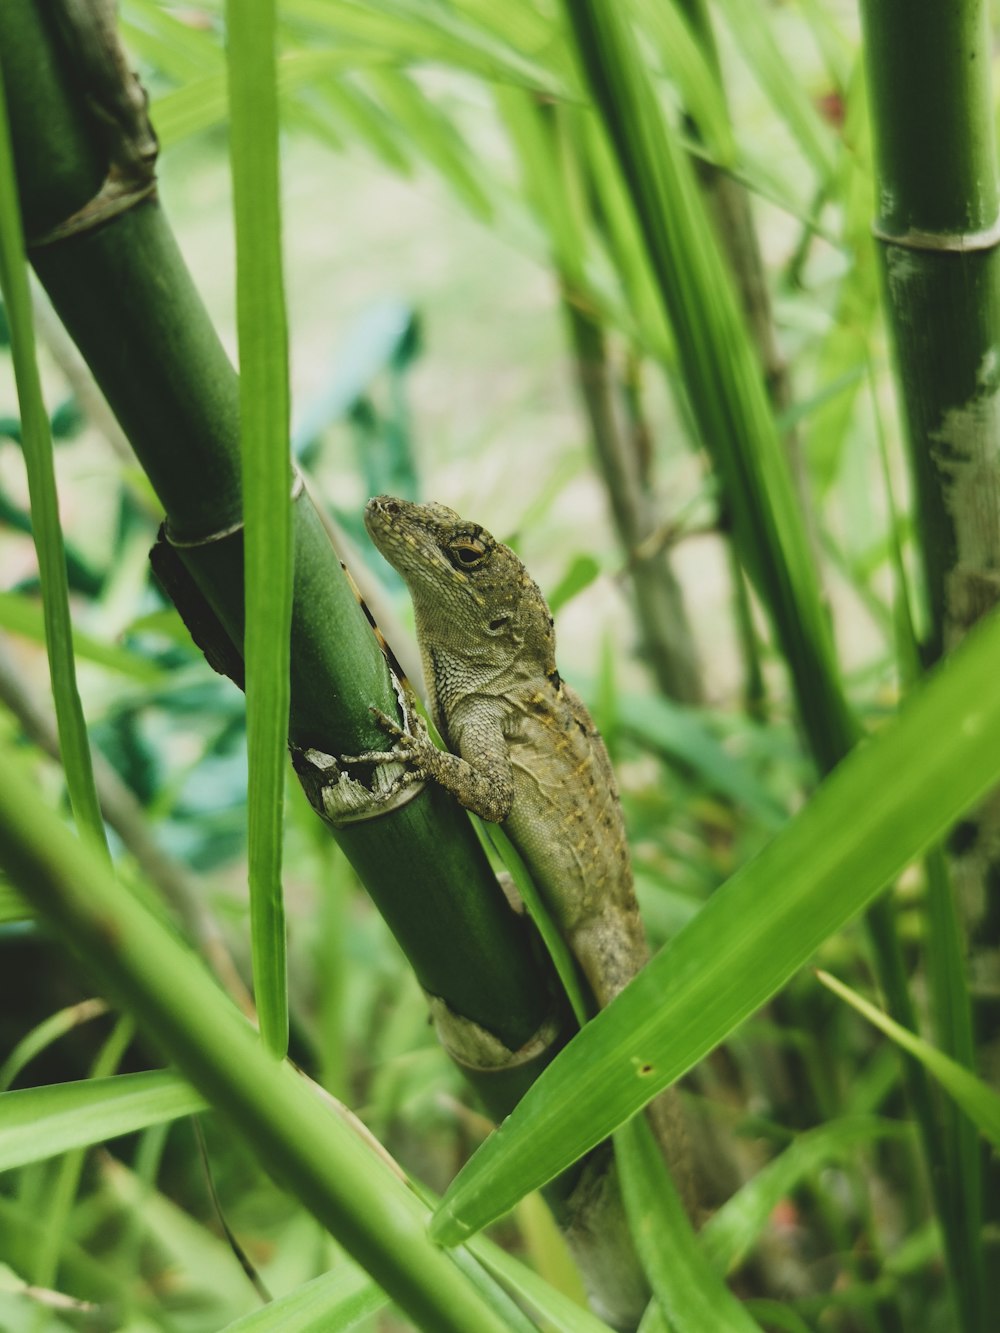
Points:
(687, 1287)
(979, 1102)
(266, 475)
(37, 444)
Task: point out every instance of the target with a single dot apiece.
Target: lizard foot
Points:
(407, 749)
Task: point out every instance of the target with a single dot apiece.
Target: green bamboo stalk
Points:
(939, 204)
(938, 227)
(266, 485)
(128, 301)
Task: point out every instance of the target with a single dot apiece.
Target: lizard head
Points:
(471, 594)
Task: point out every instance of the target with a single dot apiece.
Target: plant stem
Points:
(938, 228)
(666, 633)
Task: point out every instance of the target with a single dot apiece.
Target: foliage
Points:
(747, 862)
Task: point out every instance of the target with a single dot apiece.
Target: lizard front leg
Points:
(484, 785)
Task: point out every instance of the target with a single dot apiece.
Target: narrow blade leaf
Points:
(884, 805)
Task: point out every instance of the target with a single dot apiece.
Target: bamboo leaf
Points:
(266, 477)
(881, 807)
(352, 109)
(319, 1157)
(180, 49)
(36, 442)
(12, 905)
(335, 1302)
(21, 615)
(731, 1232)
(202, 103)
(414, 31)
(559, 1312)
(534, 131)
(979, 1102)
(39, 1123)
(683, 737)
(684, 61)
(434, 134)
(749, 22)
(44, 1034)
(721, 375)
(687, 1288)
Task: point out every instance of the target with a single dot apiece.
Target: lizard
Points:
(523, 751)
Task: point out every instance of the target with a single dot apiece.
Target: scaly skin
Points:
(524, 750)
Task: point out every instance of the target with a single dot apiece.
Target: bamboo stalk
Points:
(125, 296)
(938, 229)
(667, 639)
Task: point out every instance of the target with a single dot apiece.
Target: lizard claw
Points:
(387, 723)
(397, 755)
(404, 751)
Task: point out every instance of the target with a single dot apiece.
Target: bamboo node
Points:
(949, 242)
(104, 206)
(186, 544)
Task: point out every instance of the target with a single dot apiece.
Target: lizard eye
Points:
(467, 552)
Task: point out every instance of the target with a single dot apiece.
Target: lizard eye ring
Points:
(466, 552)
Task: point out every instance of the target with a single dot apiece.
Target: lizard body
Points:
(524, 751)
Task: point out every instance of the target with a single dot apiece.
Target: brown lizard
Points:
(524, 750)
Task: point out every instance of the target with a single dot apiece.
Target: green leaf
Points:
(582, 572)
(412, 31)
(558, 950)
(182, 50)
(684, 61)
(45, 1033)
(13, 906)
(719, 365)
(731, 1232)
(749, 22)
(266, 476)
(38, 1123)
(318, 1155)
(682, 736)
(333, 1303)
(558, 1312)
(434, 134)
(553, 170)
(687, 1288)
(979, 1102)
(22, 615)
(885, 804)
(36, 442)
